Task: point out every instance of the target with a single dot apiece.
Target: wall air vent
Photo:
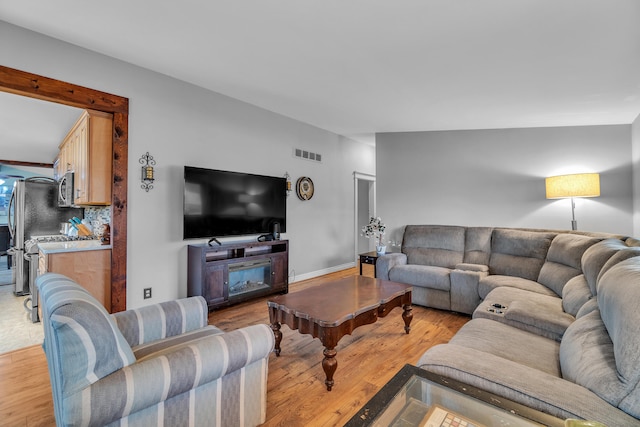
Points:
(307, 155)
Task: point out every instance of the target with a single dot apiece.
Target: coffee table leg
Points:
(407, 316)
(329, 364)
(275, 327)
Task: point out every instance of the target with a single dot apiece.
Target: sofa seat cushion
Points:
(491, 282)
(154, 348)
(510, 343)
(540, 314)
(422, 275)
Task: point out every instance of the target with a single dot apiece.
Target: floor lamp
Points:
(570, 186)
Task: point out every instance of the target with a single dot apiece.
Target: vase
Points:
(381, 250)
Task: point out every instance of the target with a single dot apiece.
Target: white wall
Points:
(635, 142)
(180, 124)
(496, 177)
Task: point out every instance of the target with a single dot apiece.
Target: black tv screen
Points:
(221, 203)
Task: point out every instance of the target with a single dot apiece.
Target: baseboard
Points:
(297, 278)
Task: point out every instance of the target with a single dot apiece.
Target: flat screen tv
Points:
(221, 203)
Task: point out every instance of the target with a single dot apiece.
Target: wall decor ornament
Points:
(304, 188)
(147, 179)
(288, 178)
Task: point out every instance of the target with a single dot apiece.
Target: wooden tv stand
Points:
(231, 273)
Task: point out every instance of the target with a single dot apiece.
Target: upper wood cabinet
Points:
(86, 150)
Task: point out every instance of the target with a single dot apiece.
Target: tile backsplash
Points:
(102, 214)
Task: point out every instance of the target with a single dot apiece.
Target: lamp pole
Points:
(574, 223)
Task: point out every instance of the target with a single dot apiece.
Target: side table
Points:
(369, 258)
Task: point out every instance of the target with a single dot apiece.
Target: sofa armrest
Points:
(481, 268)
(169, 373)
(386, 262)
(157, 321)
(464, 287)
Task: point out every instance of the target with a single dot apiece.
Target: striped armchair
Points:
(157, 365)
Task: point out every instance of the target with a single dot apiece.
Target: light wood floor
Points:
(296, 393)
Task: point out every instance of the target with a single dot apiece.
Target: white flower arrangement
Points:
(375, 228)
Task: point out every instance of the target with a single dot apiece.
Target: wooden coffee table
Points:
(332, 310)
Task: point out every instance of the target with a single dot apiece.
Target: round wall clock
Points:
(304, 188)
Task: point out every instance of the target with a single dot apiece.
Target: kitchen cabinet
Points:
(87, 151)
(231, 273)
(63, 162)
(86, 262)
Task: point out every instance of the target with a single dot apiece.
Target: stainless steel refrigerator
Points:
(33, 211)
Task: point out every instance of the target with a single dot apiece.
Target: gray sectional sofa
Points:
(555, 314)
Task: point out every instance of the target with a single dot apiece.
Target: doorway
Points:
(365, 208)
(39, 87)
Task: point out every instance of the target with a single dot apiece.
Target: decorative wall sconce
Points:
(288, 178)
(570, 186)
(147, 163)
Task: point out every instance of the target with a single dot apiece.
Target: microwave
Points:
(65, 190)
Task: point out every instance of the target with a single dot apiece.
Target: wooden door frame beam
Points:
(47, 89)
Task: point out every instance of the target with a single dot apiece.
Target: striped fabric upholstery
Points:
(178, 372)
(154, 347)
(81, 328)
(158, 321)
(202, 377)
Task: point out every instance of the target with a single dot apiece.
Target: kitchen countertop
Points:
(72, 246)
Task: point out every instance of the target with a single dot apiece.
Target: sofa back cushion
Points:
(564, 260)
(596, 257)
(601, 350)
(435, 245)
(575, 294)
(519, 253)
(477, 247)
(82, 341)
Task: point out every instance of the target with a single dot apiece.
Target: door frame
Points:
(47, 89)
(359, 176)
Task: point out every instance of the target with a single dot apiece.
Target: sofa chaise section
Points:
(160, 364)
(550, 315)
(592, 373)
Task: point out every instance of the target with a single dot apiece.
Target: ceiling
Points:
(356, 67)
(31, 130)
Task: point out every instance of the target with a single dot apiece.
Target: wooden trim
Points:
(119, 212)
(35, 86)
(47, 89)
(30, 164)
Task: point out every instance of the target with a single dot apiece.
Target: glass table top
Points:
(415, 397)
